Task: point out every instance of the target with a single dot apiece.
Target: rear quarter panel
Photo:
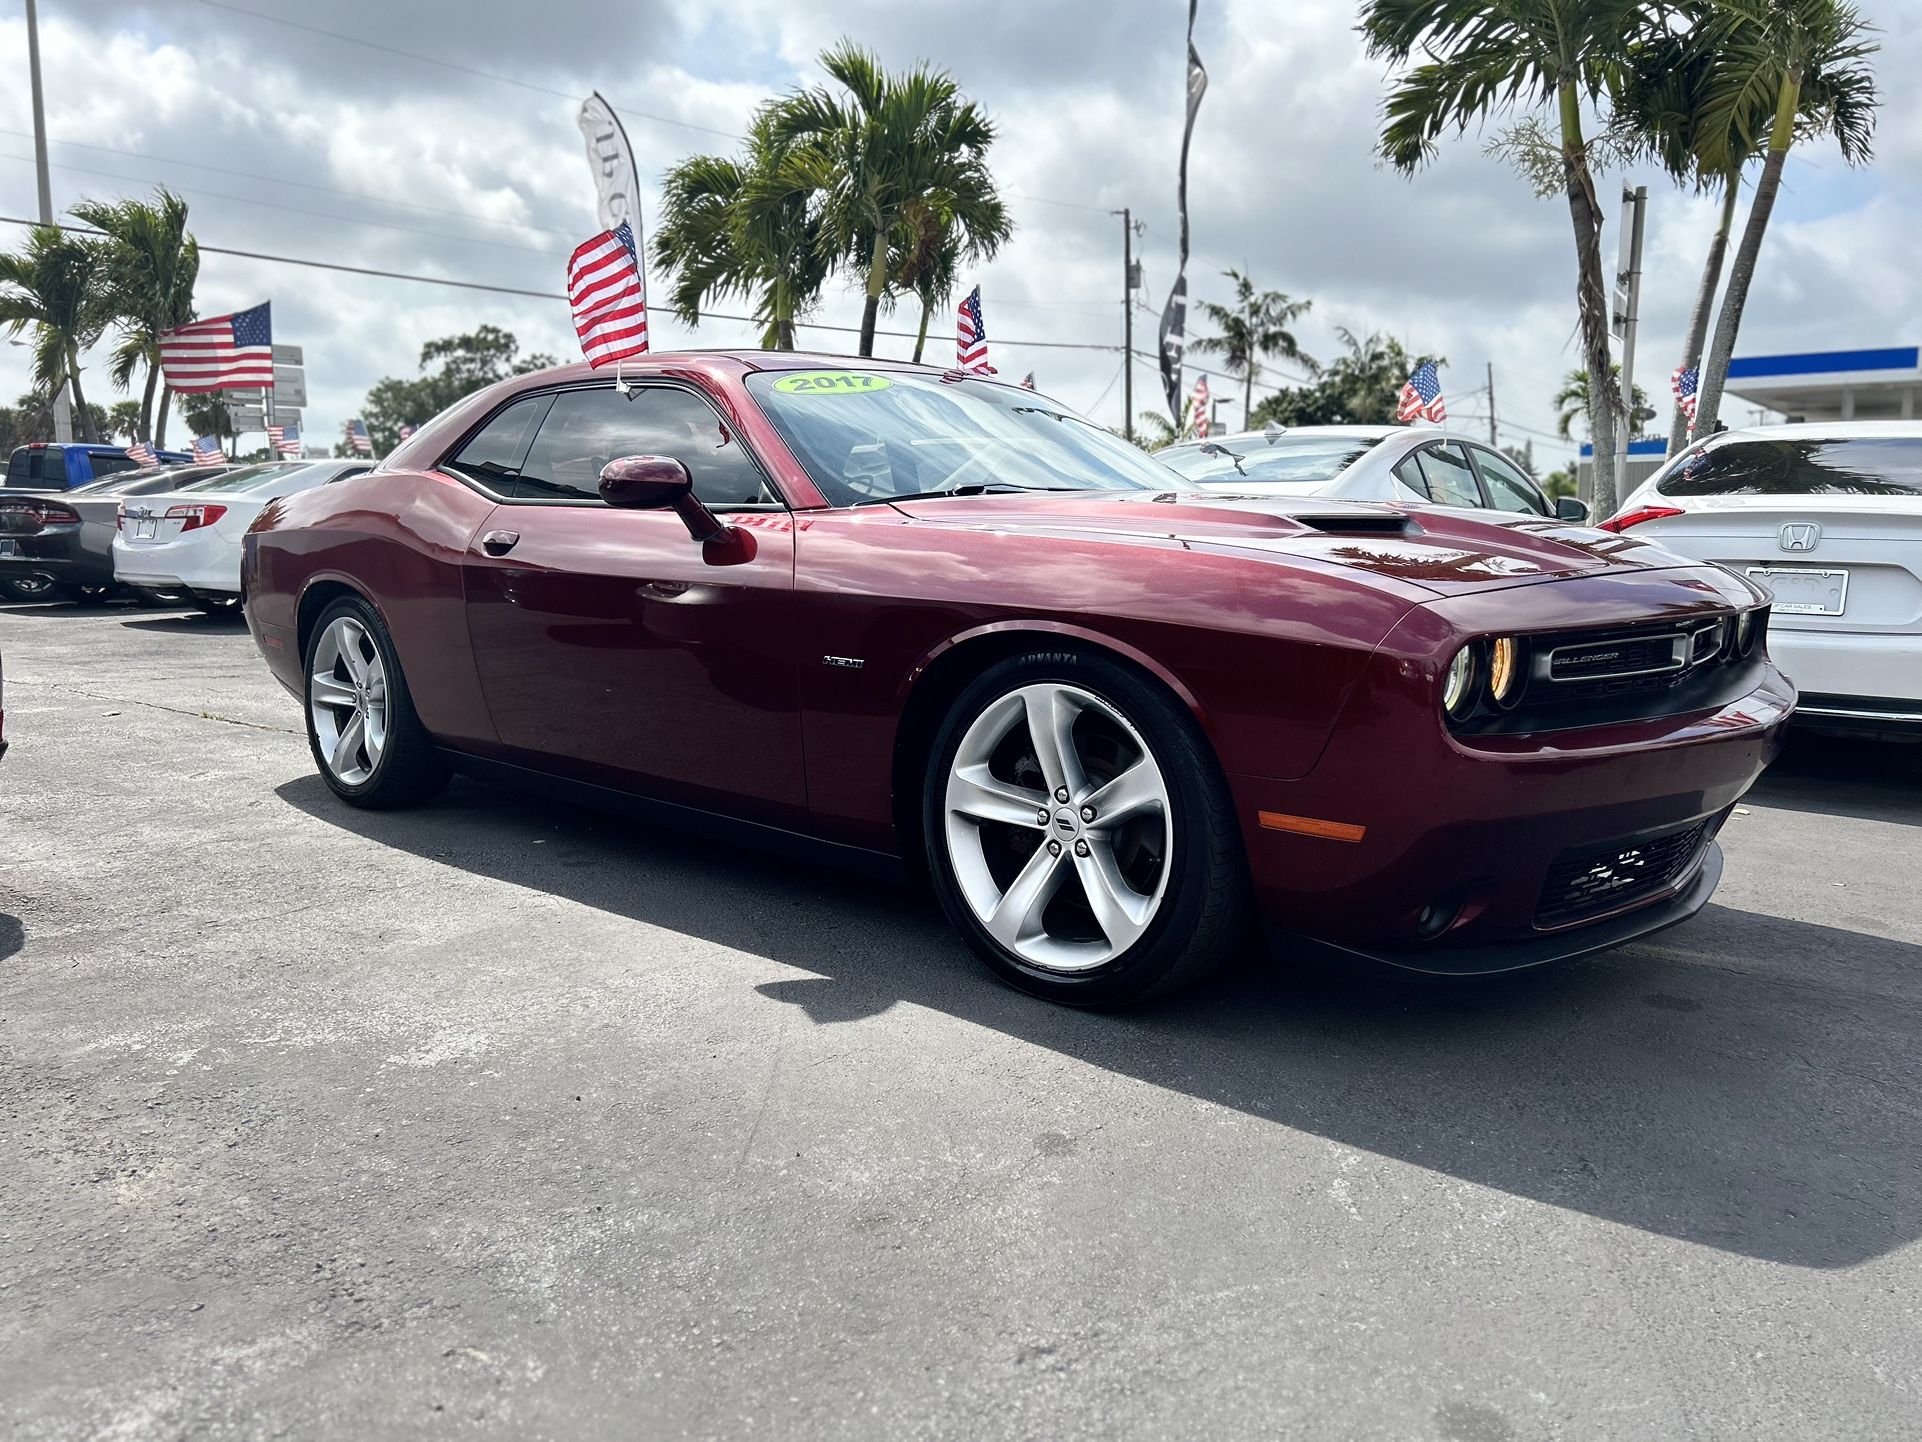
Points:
(397, 538)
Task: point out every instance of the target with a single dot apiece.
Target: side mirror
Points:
(1568, 508)
(654, 483)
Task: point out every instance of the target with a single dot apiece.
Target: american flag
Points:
(358, 440)
(608, 293)
(285, 441)
(1421, 397)
(406, 430)
(1027, 381)
(1686, 381)
(142, 454)
(207, 450)
(234, 352)
(971, 336)
(1203, 421)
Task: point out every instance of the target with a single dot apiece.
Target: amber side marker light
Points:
(1311, 826)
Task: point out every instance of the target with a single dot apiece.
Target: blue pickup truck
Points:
(47, 467)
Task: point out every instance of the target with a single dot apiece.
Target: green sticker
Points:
(831, 383)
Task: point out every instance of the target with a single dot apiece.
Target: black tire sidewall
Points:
(1178, 750)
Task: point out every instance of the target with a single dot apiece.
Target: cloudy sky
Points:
(288, 139)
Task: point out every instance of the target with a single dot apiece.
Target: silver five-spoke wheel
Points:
(1058, 828)
(347, 699)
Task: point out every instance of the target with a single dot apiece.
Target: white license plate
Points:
(1800, 592)
(143, 530)
(9, 548)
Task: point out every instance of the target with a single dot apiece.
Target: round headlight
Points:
(1505, 670)
(1458, 687)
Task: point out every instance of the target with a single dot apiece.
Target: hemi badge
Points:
(845, 663)
(1310, 826)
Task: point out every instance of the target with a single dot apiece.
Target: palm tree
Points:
(939, 234)
(1791, 50)
(53, 286)
(1571, 402)
(1253, 327)
(149, 266)
(1488, 55)
(748, 227)
(1153, 431)
(883, 145)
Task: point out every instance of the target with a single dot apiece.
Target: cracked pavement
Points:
(500, 1118)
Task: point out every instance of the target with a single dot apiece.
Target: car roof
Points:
(1358, 433)
(1821, 430)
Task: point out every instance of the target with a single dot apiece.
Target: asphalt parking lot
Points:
(502, 1118)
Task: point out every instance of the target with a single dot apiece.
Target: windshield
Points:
(868, 436)
(1865, 466)
(1282, 458)
(247, 477)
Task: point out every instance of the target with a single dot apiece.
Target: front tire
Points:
(1080, 834)
(367, 740)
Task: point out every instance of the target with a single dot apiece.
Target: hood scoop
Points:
(1356, 523)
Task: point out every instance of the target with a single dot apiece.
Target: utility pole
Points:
(1628, 302)
(1491, 407)
(62, 412)
(1127, 321)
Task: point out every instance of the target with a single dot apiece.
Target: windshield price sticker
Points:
(832, 383)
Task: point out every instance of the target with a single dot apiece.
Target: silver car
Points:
(1828, 516)
(1418, 465)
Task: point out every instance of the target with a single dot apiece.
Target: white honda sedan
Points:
(1828, 516)
(187, 542)
(1419, 465)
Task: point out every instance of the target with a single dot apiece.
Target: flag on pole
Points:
(225, 352)
(358, 440)
(207, 451)
(971, 336)
(1421, 397)
(1685, 383)
(406, 430)
(1027, 381)
(617, 183)
(1174, 317)
(608, 293)
(142, 454)
(285, 441)
(1203, 417)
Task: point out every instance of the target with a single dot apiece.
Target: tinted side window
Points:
(19, 466)
(1408, 472)
(107, 465)
(1508, 488)
(588, 428)
(1450, 480)
(494, 454)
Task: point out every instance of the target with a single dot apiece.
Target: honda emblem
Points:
(1800, 536)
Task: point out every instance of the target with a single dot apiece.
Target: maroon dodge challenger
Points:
(885, 608)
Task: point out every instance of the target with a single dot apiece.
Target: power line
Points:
(301, 210)
(463, 215)
(547, 294)
(451, 65)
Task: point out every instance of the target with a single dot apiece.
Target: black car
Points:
(60, 547)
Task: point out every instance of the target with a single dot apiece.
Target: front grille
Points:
(1625, 657)
(1589, 880)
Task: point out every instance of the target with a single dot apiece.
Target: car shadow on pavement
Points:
(187, 623)
(1841, 776)
(1743, 1082)
(13, 935)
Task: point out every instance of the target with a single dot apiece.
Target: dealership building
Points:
(1833, 385)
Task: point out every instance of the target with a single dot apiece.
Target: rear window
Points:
(246, 477)
(38, 467)
(1303, 459)
(107, 463)
(1856, 467)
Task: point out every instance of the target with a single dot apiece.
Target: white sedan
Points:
(1828, 516)
(187, 542)
(1422, 465)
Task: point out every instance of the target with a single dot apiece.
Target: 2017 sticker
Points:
(832, 383)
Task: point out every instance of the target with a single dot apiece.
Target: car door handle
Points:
(499, 543)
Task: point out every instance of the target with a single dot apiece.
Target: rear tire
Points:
(366, 738)
(33, 587)
(1100, 867)
(92, 595)
(215, 605)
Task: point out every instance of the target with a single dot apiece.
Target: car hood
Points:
(1429, 548)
